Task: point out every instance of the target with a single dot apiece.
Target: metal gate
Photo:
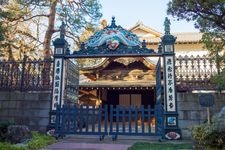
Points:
(109, 120)
(115, 120)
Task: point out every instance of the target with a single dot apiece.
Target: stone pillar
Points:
(58, 88)
(170, 98)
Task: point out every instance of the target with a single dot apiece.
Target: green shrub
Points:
(8, 146)
(219, 80)
(40, 140)
(3, 130)
(208, 137)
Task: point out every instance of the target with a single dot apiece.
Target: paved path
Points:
(93, 143)
(87, 146)
(90, 143)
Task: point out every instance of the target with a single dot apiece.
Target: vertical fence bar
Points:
(129, 118)
(136, 120)
(22, 73)
(149, 119)
(75, 118)
(87, 118)
(99, 119)
(111, 118)
(156, 118)
(68, 118)
(142, 118)
(123, 119)
(81, 118)
(11, 74)
(106, 117)
(117, 119)
(93, 119)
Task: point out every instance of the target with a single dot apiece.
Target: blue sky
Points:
(151, 12)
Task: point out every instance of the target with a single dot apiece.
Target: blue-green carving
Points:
(113, 34)
(113, 40)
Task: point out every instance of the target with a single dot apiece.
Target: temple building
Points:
(131, 81)
(187, 43)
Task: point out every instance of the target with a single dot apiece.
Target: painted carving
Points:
(117, 34)
(126, 61)
(172, 135)
(171, 121)
(112, 43)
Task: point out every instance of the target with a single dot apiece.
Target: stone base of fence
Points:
(26, 108)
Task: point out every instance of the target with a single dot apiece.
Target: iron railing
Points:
(192, 73)
(32, 75)
(195, 73)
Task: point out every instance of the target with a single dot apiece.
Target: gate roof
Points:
(113, 41)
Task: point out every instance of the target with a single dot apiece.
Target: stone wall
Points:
(32, 109)
(192, 113)
(27, 108)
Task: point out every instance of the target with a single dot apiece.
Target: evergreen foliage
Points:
(37, 22)
(209, 18)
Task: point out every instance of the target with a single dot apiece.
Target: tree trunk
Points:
(47, 42)
(50, 30)
(10, 54)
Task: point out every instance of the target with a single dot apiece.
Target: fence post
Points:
(22, 73)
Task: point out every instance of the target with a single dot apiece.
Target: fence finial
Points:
(62, 30)
(167, 26)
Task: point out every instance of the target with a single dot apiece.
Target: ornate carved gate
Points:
(114, 41)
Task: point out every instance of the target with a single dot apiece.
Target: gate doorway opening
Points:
(133, 98)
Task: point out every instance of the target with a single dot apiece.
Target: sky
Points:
(150, 12)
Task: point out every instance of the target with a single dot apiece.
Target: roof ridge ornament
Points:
(112, 37)
(167, 26)
(143, 44)
(113, 23)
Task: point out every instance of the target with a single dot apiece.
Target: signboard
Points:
(57, 83)
(170, 85)
(206, 100)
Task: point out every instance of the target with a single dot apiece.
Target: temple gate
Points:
(68, 117)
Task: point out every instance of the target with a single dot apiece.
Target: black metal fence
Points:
(32, 75)
(195, 73)
(109, 120)
(192, 73)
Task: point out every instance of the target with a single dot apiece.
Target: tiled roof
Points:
(188, 36)
(140, 25)
(181, 37)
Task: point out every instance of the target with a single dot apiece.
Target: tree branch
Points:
(41, 15)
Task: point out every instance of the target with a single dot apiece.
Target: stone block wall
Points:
(191, 113)
(27, 108)
(32, 109)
